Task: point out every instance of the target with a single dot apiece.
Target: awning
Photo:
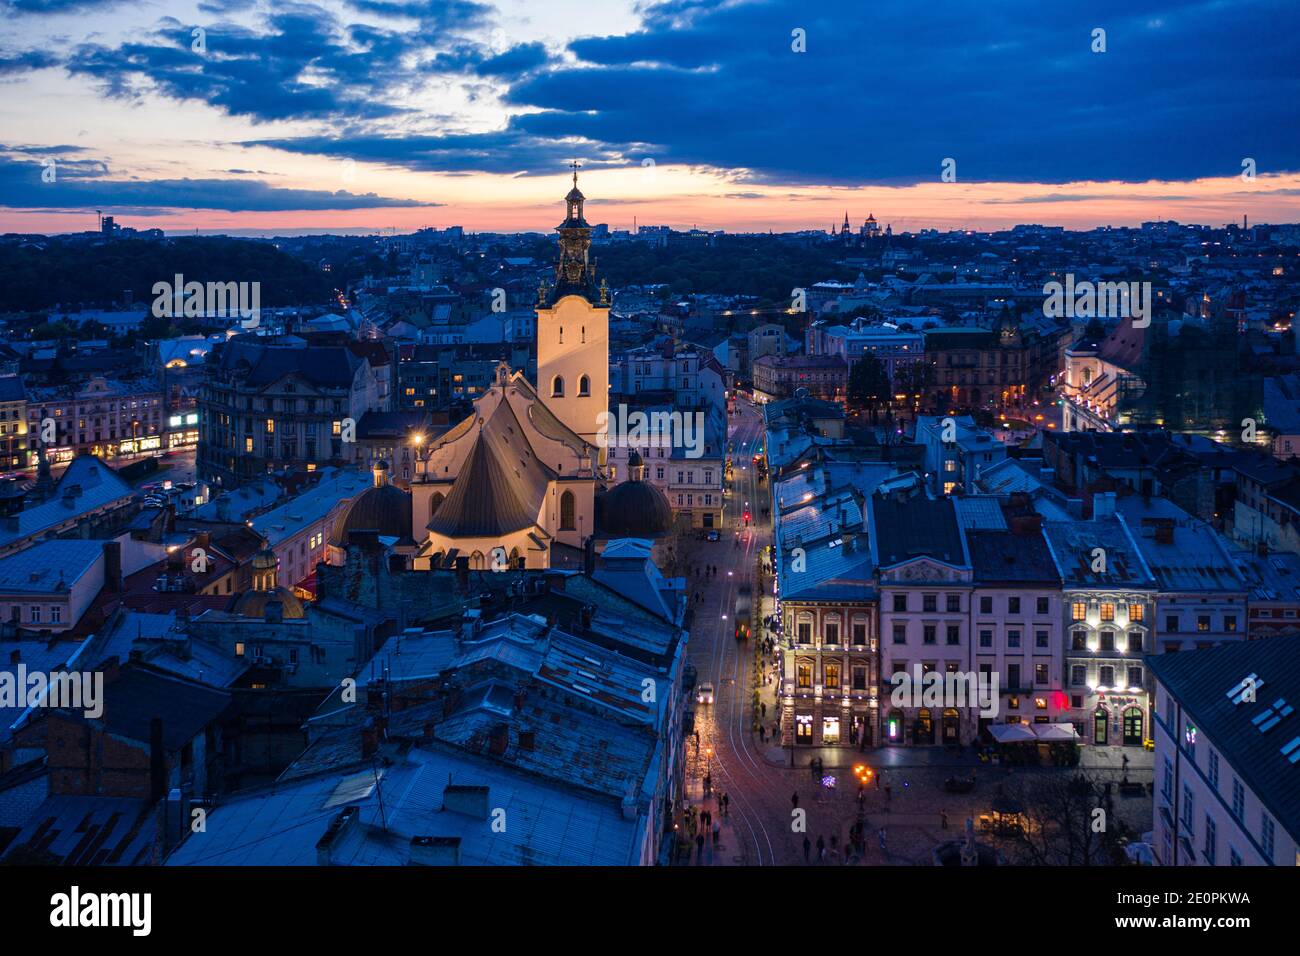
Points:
(1056, 732)
(1011, 733)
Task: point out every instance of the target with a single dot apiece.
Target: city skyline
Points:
(742, 117)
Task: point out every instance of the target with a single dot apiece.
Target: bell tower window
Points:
(557, 387)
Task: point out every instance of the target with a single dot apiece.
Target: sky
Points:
(367, 116)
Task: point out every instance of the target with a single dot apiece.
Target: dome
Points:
(253, 603)
(635, 509)
(265, 560)
(382, 508)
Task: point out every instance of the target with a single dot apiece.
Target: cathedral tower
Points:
(573, 329)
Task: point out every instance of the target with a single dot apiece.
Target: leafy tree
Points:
(869, 387)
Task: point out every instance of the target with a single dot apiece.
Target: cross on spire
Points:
(575, 166)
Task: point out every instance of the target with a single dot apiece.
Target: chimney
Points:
(341, 828)
(1103, 505)
(113, 566)
(1025, 526)
(470, 801)
(499, 742)
(462, 572)
(588, 612)
(589, 556)
(369, 738)
(157, 761)
(434, 851)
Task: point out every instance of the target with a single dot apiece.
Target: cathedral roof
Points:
(501, 486)
(253, 603)
(386, 509)
(635, 509)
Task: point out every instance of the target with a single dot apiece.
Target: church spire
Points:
(574, 273)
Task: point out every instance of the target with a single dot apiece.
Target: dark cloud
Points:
(510, 151)
(303, 65)
(515, 61)
(11, 63)
(80, 184)
(884, 94)
(20, 7)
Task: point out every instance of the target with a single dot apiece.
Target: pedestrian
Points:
(889, 792)
(834, 841)
(807, 848)
(717, 833)
(726, 803)
(763, 708)
(882, 839)
(794, 800)
(943, 819)
(699, 847)
(762, 734)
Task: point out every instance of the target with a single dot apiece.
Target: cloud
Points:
(303, 65)
(13, 63)
(82, 184)
(19, 7)
(884, 93)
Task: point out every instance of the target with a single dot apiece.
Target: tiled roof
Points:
(916, 527)
(40, 568)
(99, 487)
(501, 486)
(552, 824)
(1003, 557)
(1074, 542)
(1202, 681)
(325, 366)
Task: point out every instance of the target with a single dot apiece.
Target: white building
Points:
(1227, 755)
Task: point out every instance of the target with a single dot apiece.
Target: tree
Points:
(869, 387)
(912, 379)
(1070, 820)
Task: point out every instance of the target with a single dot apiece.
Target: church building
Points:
(517, 481)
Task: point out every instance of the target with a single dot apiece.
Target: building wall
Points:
(1084, 612)
(831, 681)
(1027, 641)
(1189, 799)
(903, 643)
(573, 341)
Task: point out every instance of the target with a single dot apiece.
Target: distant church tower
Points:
(573, 329)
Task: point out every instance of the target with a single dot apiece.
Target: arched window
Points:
(434, 503)
(514, 557)
(561, 335)
(584, 333)
(557, 387)
(584, 386)
(566, 511)
(476, 560)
